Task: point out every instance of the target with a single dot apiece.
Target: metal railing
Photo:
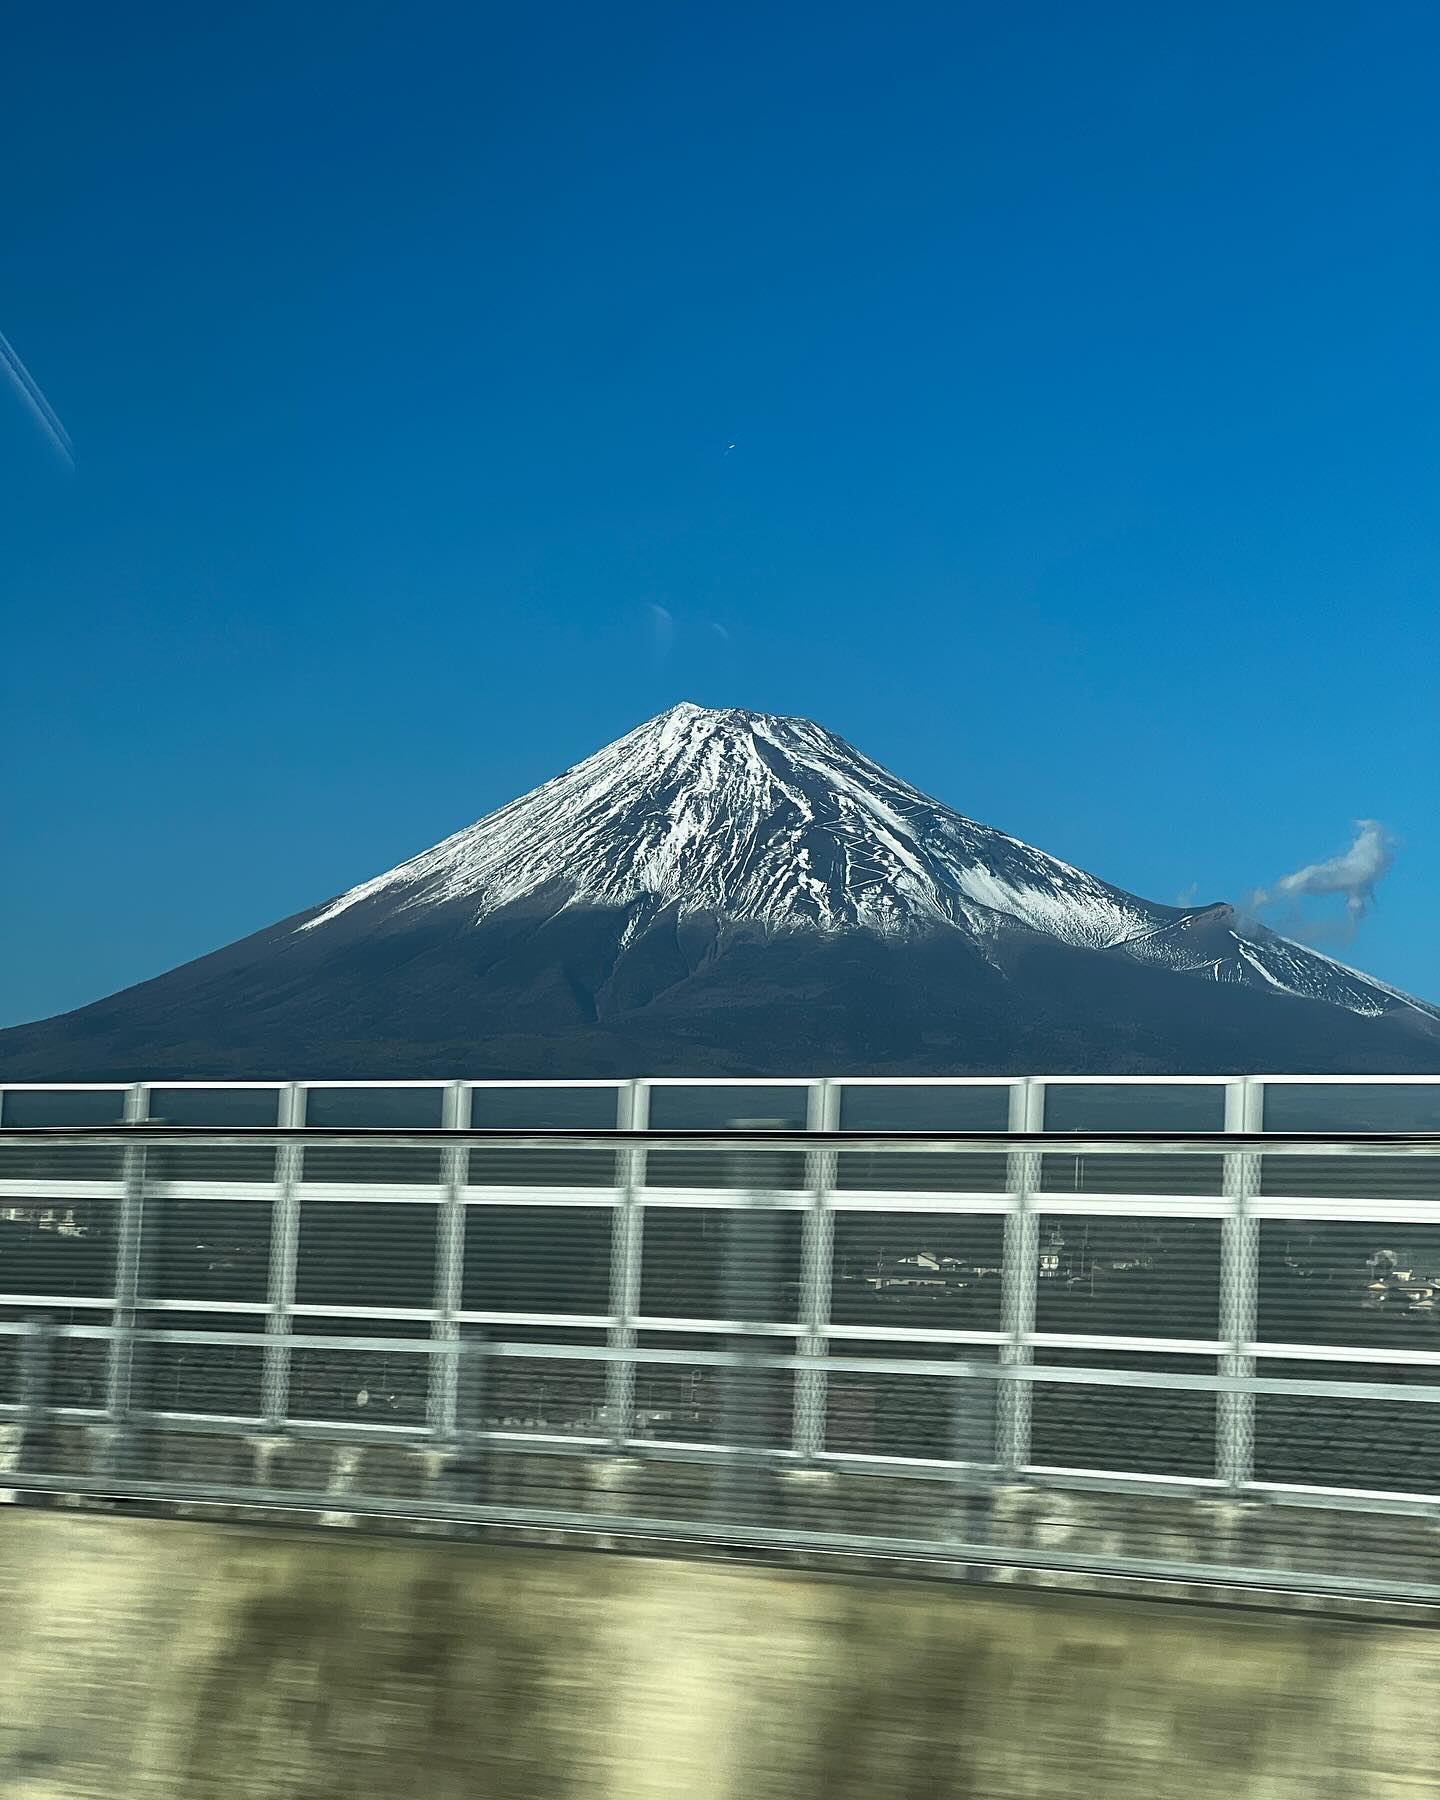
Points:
(1094, 1287)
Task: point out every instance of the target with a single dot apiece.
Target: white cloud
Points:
(1354, 873)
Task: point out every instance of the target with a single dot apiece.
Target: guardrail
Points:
(1172, 1318)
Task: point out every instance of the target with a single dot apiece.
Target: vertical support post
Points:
(37, 1378)
(468, 1472)
(817, 1243)
(1018, 1277)
(441, 1405)
(626, 1245)
(120, 1368)
(284, 1250)
(1239, 1278)
(750, 1281)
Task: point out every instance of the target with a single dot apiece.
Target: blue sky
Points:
(1080, 365)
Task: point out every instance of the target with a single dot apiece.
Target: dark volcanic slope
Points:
(730, 893)
(532, 994)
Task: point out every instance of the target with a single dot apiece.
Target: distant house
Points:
(920, 1269)
(1401, 1289)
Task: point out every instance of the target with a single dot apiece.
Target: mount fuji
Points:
(731, 892)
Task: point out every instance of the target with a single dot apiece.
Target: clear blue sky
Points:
(1080, 363)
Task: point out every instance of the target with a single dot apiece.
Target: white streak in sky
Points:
(660, 623)
(25, 386)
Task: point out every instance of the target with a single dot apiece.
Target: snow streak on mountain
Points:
(779, 824)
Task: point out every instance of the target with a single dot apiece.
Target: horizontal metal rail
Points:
(955, 1369)
(726, 1138)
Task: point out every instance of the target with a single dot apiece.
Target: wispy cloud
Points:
(1354, 875)
(661, 622)
(28, 389)
(1187, 894)
(720, 631)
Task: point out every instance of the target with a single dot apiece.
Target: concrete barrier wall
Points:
(1167, 1534)
(148, 1658)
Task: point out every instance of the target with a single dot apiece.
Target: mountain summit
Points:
(770, 820)
(730, 891)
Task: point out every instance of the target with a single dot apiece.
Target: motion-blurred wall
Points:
(152, 1658)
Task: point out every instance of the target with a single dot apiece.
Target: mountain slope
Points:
(721, 891)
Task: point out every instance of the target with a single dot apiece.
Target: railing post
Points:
(120, 1364)
(284, 1250)
(1239, 1275)
(37, 1382)
(1018, 1277)
(626, 1245)
(449, 1267)
(816, 1257)
(750, 1285)
(464, 1470)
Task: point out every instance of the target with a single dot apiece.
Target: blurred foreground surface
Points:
(159, 1658)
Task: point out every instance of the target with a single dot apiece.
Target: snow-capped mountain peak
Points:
(775, 822)
(765, 819)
